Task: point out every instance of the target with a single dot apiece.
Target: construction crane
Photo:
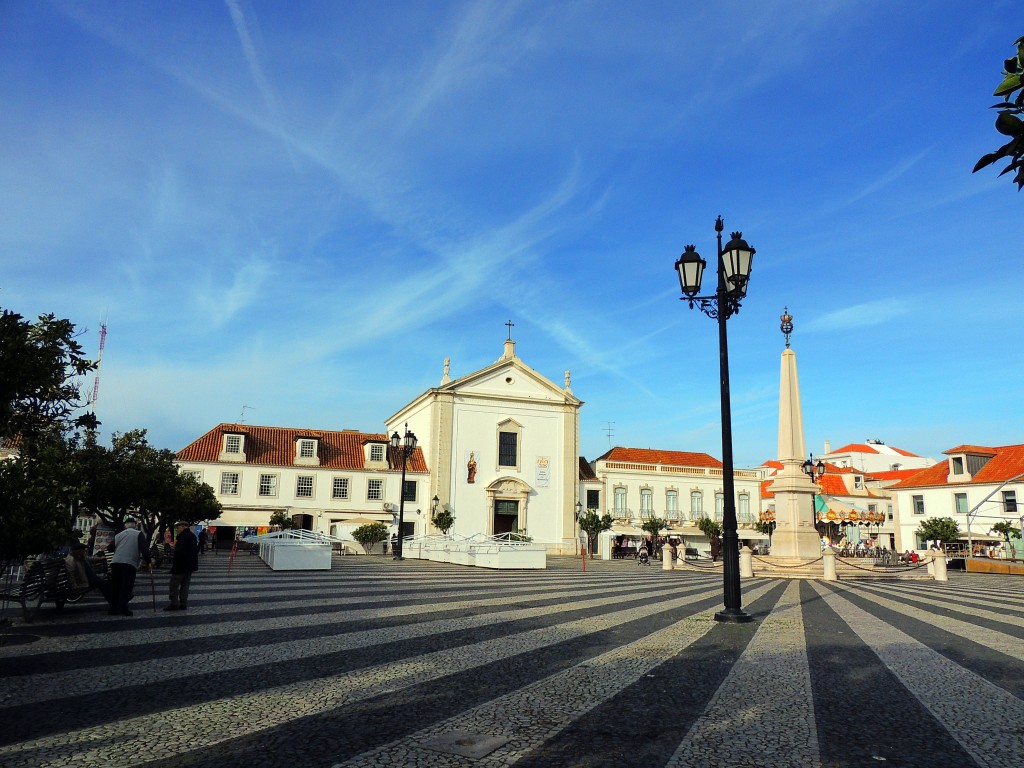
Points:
(99, 362)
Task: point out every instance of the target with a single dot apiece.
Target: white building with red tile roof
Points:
(322, 478)
(874, 456)
(636, 484)
(978, 486)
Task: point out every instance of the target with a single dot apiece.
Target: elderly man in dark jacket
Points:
(184, 564)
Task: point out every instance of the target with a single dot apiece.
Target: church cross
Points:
(510, 324)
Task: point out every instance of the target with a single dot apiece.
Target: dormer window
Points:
(375, 454)
(306, 451)
(956, 465)
(233, 447)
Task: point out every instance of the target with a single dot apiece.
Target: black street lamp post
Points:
(734, 262)
(404, 446)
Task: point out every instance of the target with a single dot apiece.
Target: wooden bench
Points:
(44, 581)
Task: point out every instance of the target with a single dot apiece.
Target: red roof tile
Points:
(979, 449)
(1007, 463)
(654, 456)
(275, 446)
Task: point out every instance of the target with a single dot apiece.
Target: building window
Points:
(744, 512)
(672, 505)
(1010, 501)
(339, 489)
(374, 489)
(620, 502)
(304, 487)
(194, 474)
(918, 502)
(233, 444)
(593, 499)
(858, 482)
(960, 502)
(719, 506)
(508, 449)
(888, 511)
(268, 485)
(646, 502)
(696, 505)
(409, 491)
(229, 483)
(958, 465)
(376, 452)
(307, 449)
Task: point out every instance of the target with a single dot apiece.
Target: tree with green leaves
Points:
(443, 520)
(944, 529)
(279, 519)
(1005, 529)
(766, 527)
(370, 534)
(592, 524)
(132, 478)
(709, 527)
(41, 367)
(1007, 121)
(42, 364)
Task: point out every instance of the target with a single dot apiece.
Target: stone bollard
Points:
(746, 563)
(939, 569)
(829, 559)
(666, 559)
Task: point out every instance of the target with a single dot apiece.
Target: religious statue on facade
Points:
(471, 468)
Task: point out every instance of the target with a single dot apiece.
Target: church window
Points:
(508, 449)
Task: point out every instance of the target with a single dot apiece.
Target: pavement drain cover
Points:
(18, 639)
(466, 744)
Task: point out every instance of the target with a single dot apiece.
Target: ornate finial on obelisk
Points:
(787, 324)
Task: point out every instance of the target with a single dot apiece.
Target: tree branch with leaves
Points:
(1007, 121)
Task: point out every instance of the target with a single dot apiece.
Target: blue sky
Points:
(305, 209)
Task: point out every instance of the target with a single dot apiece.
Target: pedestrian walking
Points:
(129, 547)
(183, 565)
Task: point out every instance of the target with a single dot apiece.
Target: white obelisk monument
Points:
(795, 535)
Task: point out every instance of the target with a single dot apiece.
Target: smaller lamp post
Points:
(404, 446)
(433, 506)
(815, 471)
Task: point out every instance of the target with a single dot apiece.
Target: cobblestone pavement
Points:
(385, 663)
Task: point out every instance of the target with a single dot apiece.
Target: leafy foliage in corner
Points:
(370, 534)
(766, 527)
(443, 520)
(593, 524)
(1007, 122)
(944, 529)
(710, 528)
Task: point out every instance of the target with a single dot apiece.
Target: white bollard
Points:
(829, 559)
(746, 563)
(666, 559)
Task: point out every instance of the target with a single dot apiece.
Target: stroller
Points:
(642, 558)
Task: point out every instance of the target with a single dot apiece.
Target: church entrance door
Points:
(506, 516)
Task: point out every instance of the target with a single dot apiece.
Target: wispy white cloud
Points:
(887, 178)
(859, 316)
